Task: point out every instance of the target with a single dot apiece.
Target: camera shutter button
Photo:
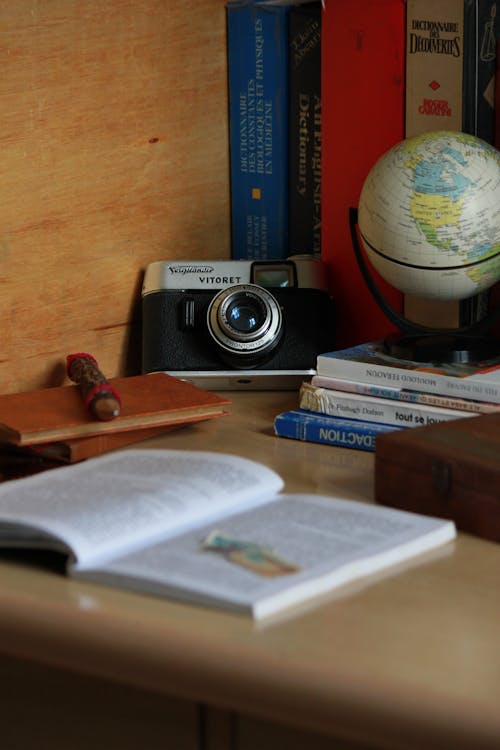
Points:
(186, 321)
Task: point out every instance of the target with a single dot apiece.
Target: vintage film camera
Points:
(237, 323)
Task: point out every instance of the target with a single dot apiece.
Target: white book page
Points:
(117, 502)
(331, 541)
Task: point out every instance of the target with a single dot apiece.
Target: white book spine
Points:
(380, 410)
(403, 394)
(480, 386)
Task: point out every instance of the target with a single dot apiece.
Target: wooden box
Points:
(450, 470)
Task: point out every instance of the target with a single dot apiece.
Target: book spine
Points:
(403, 394)
(258, 105)
(438, 95)
(427, 381)
(382, 411)
(470, 69)
(315, 428)
(78, 449)
(304, 75)
(362, 95)
(434, 65)
(497, 97)
(481, 29)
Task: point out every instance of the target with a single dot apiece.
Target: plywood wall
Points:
(113, 153)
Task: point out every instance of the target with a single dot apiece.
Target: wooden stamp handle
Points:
(101, 399)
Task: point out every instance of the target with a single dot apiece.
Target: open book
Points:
(206, 528)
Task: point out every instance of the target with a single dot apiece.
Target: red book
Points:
(363, 58)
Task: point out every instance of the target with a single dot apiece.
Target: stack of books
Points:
(361, 392)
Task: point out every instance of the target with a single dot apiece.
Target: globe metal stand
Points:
(419, 343)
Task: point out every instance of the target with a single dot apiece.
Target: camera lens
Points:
(246, 315)
(245, 321)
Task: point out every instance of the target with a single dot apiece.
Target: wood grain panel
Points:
(113, 145)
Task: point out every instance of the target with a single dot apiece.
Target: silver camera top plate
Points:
(303, 271)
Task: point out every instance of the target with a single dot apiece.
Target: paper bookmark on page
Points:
(255, 557)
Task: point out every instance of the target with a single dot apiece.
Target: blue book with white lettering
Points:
(258, 128)
(301, 424)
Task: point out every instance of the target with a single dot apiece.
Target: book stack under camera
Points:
(362, 392)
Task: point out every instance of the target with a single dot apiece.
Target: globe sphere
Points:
(429, 215)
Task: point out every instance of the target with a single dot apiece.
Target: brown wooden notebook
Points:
(148, 401)
(77, 449)
(22, 460)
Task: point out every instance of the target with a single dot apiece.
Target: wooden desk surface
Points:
(409, 661)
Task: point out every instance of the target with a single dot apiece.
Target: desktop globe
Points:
(429, 216)
(429, 220)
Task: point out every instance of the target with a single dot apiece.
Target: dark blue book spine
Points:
(481, 30)
(301, 424)
(304, 77)
(258, 129)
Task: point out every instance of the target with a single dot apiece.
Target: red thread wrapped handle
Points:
(82, 368)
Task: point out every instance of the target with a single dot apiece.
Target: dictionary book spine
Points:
(436, 91)
(300, 424)
(258, 129)
(434, 65)
(304, 66)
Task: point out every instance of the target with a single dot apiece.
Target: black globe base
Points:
(419, 343)
(442, 348)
